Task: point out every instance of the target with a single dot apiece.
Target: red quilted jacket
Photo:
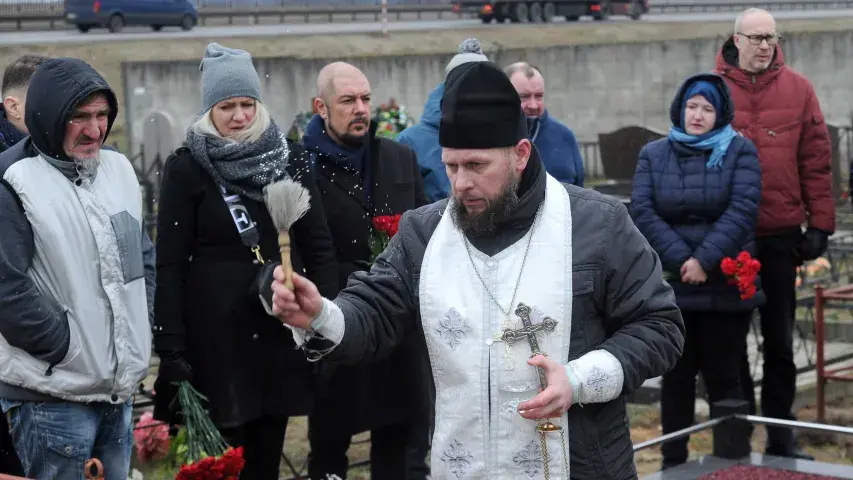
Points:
(779, 111)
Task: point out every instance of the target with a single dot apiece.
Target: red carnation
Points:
(728, 266)
(387, 224)
(233, 461)
(742, 271)
(190, 472)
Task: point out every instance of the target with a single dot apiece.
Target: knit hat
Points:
(480, 109)
(469, 50)
(227, 73)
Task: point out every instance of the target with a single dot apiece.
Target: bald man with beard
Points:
(361, 177)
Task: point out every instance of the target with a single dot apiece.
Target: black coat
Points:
(243, 360)
(353, 399)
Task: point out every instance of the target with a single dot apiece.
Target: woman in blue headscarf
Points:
(695, 198)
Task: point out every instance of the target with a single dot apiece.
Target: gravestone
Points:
(158, 142)
(158, 138)
(841, 140)
(620, 149)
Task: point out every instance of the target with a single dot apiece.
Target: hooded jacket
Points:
(77, 266)
(685, 209)
(778, 110)
(423, 139)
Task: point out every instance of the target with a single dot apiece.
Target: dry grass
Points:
(107, 57)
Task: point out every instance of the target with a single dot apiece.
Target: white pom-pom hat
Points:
(470, 50)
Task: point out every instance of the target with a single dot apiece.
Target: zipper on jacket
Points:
(49, 371)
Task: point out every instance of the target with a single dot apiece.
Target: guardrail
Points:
(54, 17)
(27, 13)
(781, 5)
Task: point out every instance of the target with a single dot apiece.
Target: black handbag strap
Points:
(246, 227)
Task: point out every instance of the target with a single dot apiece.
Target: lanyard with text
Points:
(245, 226)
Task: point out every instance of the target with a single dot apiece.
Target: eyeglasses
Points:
(771, 38)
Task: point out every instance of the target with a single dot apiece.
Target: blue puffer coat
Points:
(423, 139)
(686, 210)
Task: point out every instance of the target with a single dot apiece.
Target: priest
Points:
(540, 305)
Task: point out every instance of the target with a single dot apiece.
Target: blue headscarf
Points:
(718, 139)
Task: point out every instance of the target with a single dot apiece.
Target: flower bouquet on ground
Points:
(384, 227)
(208, 456)
(299, 125)
(151, 438)
(742, 271)
(392, 119)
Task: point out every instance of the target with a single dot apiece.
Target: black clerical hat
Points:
(480, 109)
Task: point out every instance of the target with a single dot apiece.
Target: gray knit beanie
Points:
(470, 50)
(227, 73)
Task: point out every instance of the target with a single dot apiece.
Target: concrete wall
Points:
(592, 88)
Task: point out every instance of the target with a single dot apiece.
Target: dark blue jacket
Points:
(9, 135)
(558, 149)
(686, 210)
(423, 139)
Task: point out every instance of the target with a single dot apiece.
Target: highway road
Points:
(73, 36)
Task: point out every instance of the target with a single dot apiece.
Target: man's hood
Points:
(55, 90)
(676, 109)
(727, 58)
(432, 108)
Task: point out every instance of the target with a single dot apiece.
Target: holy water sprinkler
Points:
(287, 201)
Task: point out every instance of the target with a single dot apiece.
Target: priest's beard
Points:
(497, 210)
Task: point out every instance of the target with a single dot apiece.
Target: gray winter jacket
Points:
(621, 304)
(77, 268)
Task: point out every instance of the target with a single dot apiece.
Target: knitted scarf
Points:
(242, 168)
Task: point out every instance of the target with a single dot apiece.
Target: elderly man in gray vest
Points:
(77, 280)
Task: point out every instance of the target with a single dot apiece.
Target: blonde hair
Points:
(204, 126)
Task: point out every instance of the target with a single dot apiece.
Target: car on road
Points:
(116, 14)
(524, 11)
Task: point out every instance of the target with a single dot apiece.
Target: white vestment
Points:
(479, 433)
(480, 379)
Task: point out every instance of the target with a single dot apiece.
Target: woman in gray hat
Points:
(212, 264)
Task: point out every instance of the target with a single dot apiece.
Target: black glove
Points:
(813, 244)
(173, 370)
(261, 288)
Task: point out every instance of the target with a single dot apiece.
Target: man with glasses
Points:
(776, 107)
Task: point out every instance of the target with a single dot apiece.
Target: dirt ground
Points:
(107, 57)
(645, 425)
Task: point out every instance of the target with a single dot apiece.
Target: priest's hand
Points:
(555, 400)
(299, 307)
